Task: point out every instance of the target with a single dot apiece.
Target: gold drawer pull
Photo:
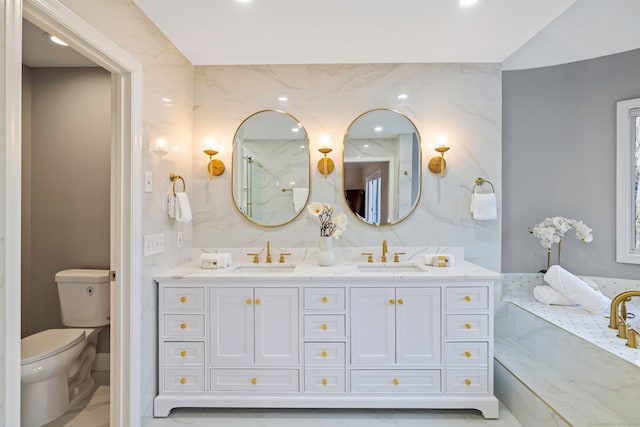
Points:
(254, 381)
(183, 326)
(257, 301)
(248, 301)
(183, 353)
(400, 301)
(324, 326)
(324, 381)
(183, 298)
(395, 381)
(323, 354)
(325, 299)
(392, 301)
(467, 381)
(467, 298)
(183, 380)
(467, 325)
(467, 354)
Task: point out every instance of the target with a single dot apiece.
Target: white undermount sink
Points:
(391, 267)
(262, 268)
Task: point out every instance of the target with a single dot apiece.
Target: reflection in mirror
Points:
(382, 174)
(270, 174)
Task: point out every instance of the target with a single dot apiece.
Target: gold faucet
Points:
(268, 252)
(383, 258)
(615, 304)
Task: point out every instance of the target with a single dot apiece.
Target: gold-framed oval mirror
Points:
(382, 180)
(270, 173)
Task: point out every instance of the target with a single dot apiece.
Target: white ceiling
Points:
(39, 51)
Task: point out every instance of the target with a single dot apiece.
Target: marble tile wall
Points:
(460, 100)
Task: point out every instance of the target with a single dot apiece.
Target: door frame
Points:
(125, 212)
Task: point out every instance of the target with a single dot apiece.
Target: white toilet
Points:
(56, 363)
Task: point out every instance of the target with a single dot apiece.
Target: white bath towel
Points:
(576, 290)
(548, 295)
(183, 208)
(484, 206)
(299, 198)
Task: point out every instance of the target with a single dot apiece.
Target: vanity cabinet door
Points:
(231, 323)
(418, 339)
(373, 325)
(276, 326)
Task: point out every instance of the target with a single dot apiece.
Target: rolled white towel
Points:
(548, 295)
(576, 290)
(439, 260)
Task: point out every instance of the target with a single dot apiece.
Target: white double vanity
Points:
(369, 335)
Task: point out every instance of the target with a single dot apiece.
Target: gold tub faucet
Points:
(615, 305)
(383, 258)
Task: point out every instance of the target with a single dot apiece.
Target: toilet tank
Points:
(84, 297)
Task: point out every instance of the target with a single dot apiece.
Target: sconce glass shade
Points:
(160, 147)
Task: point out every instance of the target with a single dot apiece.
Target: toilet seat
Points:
(48, 343)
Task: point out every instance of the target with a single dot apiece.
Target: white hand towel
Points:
(548, 295)
(299, 198)
(484, 206)
(183, 208)
(576, 290)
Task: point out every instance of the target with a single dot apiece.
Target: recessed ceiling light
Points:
(296, 129)
(243, 1)
(378, 128)
(283, 98)
(403, 96)
(366, 145)
(166, 100)
(466, 3)
(55, 39)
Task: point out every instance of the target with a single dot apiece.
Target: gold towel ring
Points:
(173, 178)
(480, 181)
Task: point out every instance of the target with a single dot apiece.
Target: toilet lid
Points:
(48, 343)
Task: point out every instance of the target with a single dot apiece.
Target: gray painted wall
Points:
(559, 146)
(66, 195)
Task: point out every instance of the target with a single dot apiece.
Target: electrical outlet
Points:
(180, 242)
(153, 244)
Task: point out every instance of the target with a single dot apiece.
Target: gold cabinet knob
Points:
(257, 301)
(467, 298)
(325, 299)
(324, 381)
(183, 326)
(324, 326)
(183, 353)
(392, 301)
(183, 298)
(467, 325)
(467, 381)
(323, 354)
(183, 380)
(467, 354)
(400, 301)
(254, 381)
(248, 301)
(395, 381)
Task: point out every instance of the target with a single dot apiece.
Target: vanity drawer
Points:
(183, 298)
(254, 380)
(184, 380)
(395, 381)
(467, 381)
(467, 353)
(324, 380)
(324, 354)
(184, 325)
(467, 326)
(324, 299)
(324, 326)
(467, 298)
(183, 353)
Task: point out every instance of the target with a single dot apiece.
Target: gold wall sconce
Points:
(325, 164)
(437, 164)
(215, 166)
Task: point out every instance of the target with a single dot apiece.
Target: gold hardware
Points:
(633, 338)
(215, 166)
(323, 354)
(324, 326)
(396, 256)
(479, 182)
(400, 301)
(174, 178)
(324, 381)
(325, 299)
(254, 381)
(183, 353)
(467, 325)
(183, 299)
(325, 164)
(467, 298)
(369, 256)
(467, 354)
(248, 301)
(395, 381)
(183, 380)
(467, 381)
(438, 164)
(392, 301)
(257, 301)
(282, 255)
(622, 328)
(268, 252)
(183, 326)
(255, 258)
(613, 320)
(383, 258)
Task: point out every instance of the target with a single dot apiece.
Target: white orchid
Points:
(553, 229)
(329, 226)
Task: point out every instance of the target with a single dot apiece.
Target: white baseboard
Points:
(102, 362)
